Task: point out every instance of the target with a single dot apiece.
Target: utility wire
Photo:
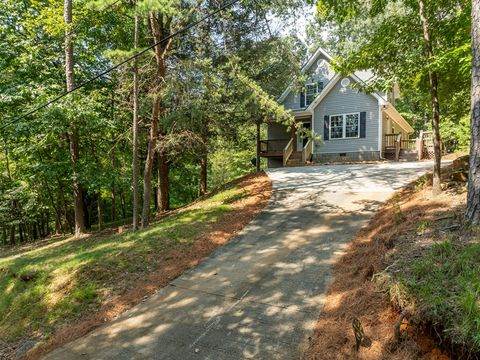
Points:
(103, 73)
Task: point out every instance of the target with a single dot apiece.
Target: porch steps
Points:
(295, 159)
(408, 155)
(405, 154)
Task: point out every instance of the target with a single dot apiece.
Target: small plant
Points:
(424, 225)
(398, 216)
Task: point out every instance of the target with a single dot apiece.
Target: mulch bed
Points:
(353, 294)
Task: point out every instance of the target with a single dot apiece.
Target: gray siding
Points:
(292, 101)
(337, 102)
(277, 131)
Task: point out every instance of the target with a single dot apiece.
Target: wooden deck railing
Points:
(272, 146)
(408, 144)
(423, 144)
(390, 140)
(287, 152)
(307, 151)
(398, 142)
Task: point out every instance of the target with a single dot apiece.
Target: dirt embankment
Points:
(353, 294)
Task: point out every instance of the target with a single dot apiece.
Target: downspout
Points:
(313, 132)
(380, 130)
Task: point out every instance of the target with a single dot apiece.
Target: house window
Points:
(336, 126)
(344, 126)
(311, 91)
(351, 125)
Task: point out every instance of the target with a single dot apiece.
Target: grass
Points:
(58, 282)
(445, 284)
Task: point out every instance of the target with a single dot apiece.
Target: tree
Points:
(473, 199)
(433, 77)
(160, 26)
(135, 128)
(73, 133)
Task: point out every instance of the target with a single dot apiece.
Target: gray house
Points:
(354, 126)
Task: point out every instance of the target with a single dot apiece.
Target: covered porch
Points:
(287, 148)
(396, 141)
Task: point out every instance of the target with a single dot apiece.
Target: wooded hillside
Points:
(195, 93)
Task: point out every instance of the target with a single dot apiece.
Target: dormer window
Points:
(311, 91)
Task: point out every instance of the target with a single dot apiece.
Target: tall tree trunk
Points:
(73, 133)
(136, 199)
(473, 199)
(257, 157)
(433, 77)
(100, 211)
(147, 175)
(12, 235)
(203, 173)
(159, 26)
(163, 183)
(113, 188)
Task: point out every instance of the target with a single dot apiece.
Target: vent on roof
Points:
(345, 82)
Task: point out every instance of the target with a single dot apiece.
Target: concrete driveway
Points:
(260, 295)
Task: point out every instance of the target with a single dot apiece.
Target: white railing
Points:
(287, 152)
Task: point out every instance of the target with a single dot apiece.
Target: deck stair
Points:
(408, 155)
(295, 159)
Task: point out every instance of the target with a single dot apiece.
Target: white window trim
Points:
(344, 131)
(306, 94)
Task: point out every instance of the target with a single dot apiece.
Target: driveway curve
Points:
(260, 295)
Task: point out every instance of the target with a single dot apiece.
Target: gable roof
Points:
(393, 114)
(309, 63)
(358, 76)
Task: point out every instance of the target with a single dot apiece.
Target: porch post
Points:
(420, 145)
(257, 162)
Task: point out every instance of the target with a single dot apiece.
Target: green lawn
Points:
(71, 278)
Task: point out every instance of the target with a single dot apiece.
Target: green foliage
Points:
(217, 85)
(74, 276)
(445, 283)
(386, 37)
(456, 132)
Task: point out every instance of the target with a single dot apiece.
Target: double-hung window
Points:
(308, 96)
(311, 91)
(344, 126)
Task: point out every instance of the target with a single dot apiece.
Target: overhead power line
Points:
(103, 73)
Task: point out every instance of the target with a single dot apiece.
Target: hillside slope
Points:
(61, 290)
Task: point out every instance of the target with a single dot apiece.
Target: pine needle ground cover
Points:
(411, 277)
(67, 281)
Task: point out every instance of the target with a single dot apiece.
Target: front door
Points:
(301, 142)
